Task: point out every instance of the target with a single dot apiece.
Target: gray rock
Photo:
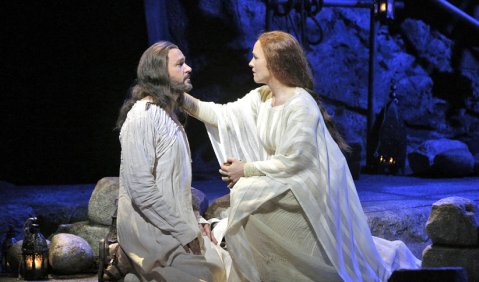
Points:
(454, 163)
(91, 233)
(421, 160)
(405, 225)
(453, 221)
(440, 256)
(70, 254)
(103, 201)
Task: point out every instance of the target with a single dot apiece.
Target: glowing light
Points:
(29, 263)
(38, 262)
(383, 7)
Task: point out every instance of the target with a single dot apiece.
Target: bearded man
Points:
(157, 227)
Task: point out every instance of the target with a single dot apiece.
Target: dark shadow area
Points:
(445, 22)
(66, 67)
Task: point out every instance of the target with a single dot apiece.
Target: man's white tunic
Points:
(155, 213)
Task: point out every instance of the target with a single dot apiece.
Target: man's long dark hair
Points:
(153, 80)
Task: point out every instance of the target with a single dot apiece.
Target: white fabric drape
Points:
(291, 145)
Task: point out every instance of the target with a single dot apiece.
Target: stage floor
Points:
(385, 192)
(397, 207)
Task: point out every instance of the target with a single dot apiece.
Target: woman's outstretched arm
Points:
(200, 110)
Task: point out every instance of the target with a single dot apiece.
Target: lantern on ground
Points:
(34, 264)
(7, 265)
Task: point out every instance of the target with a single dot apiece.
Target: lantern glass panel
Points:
(34, 253)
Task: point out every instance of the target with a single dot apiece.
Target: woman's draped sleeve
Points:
(237, 120)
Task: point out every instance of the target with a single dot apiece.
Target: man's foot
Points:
(113, 262)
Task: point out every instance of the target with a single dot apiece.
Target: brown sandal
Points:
(114, 263)
(111, 271)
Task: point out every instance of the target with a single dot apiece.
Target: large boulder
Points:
(70, 254)
(103, 201)
(453, 221)
(454, 163)
(440, 156)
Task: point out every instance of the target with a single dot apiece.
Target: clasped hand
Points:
(231, 171)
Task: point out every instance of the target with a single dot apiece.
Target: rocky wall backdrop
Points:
(67, 67)
(433, 64)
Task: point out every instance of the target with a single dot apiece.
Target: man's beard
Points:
(181, 87)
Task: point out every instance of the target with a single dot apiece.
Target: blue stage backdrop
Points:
(67, 65)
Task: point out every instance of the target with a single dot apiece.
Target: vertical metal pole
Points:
(372, 60)
(303, 24)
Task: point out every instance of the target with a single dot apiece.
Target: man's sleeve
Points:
(139, 153)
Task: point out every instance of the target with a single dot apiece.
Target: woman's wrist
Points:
(249, 169)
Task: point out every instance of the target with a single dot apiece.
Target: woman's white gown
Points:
(303, 220)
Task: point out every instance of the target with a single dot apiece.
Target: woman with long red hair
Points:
(295, 214)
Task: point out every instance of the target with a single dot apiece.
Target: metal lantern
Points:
(390, 140)
(8, 266)
(34, 264)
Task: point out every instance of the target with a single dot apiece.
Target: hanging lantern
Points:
(8, 266)
(391, 141)
(34, 264)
